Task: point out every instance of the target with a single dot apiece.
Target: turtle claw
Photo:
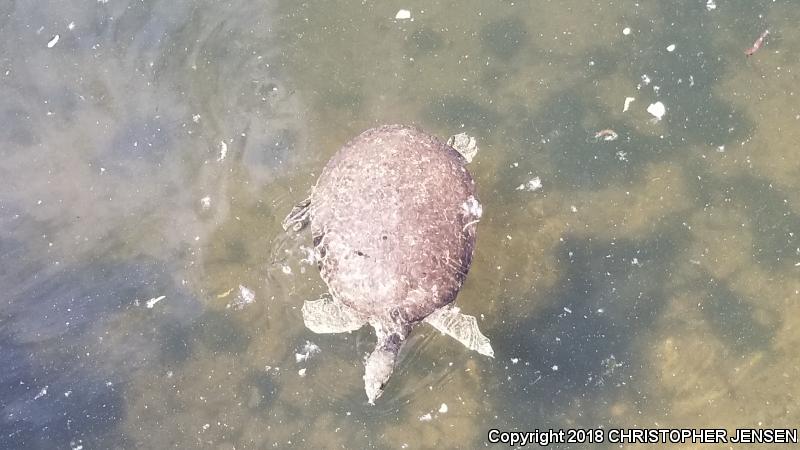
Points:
(299, 217)
(330, 316)
(461, 327)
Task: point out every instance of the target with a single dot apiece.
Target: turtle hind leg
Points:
(299, 217)
(330, 316)
(461, 327)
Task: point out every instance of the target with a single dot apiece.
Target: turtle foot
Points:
(299, 217)
(330, 316)
(461, 327)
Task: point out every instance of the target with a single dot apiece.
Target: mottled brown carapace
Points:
(393, 216)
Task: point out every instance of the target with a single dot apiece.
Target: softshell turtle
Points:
(393, 218)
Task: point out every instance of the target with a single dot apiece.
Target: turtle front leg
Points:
(461, 327)
(330, 316)
(299, 217)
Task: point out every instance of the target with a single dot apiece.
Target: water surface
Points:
(150, 151)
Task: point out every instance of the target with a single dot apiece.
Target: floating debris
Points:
(426, 418)
(196, 118)
(53, 41)
(302, 372)
(671, 47)
(223, 151)
(41, 393)
(555, 368)
(205, 202)
(71, 26)
(628, 101)
(308, 350)
(622, 156)
(756, 45)
(152, 302)
(246, 296)
(605, 135)
(443, 409)
(626, 31)
(711, 5)
(534, 184)
(657, 110)
(403, 14)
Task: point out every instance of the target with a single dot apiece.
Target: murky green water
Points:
(149, 153)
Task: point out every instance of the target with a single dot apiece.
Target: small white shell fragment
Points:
(426, 418)
(657, 110)
(443, 408)
(152, 302)
(626, 31)
(671, 47)
(245, 297)
(555, 368)
(403, 14)
(308, 350)
(628, 101)
(53, 41)
(534, 184)
(302, 372)
(573, 208)
(223, 150)
(196, 118)
(205, 202)
(711, 5)
(71, 26)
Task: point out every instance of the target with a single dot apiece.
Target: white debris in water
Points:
(721, 149)
(626, 31)
(645, 79)
(671, 47)
(152, 302)
(657, 110)
(41, 393)
(196, 118)
(302, 372)
(622, 156)
(426, 418)
(71, 26)
(245, 297)
(53, 41)
(68, 393)
(308, 350)
(711, 5)
(205, 202)
(443, 409)
(573, 208)
(555, 368)
(223, 150)
(534, 184)
(628, 101)
(514, 360)
(567, 310)
(208, 425)
(286, 269)
(472, 207)
(403, 14)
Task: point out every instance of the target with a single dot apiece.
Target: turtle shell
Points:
(393, 219)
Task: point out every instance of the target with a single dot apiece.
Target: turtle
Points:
(393, 221)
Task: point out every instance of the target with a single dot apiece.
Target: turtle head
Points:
(379, 366)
